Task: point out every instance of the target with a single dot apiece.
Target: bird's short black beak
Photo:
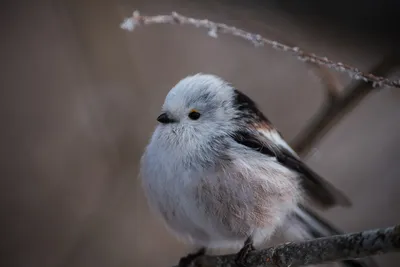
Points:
(164, 118)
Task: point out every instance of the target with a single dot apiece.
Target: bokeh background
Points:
(79, 98)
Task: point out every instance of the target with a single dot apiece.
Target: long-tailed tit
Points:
(220, 175)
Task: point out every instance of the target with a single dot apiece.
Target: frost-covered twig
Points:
(316, 251)
(215, 28)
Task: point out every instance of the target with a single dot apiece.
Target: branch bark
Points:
(316, 251)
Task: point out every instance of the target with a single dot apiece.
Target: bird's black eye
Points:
(194, 115)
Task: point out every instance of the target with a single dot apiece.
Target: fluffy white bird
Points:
(219, 174)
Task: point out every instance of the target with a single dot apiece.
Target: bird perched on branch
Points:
(220, 175)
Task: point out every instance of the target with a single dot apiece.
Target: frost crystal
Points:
(128, 24)
(213, 32)
(257, 40)
(377, 84)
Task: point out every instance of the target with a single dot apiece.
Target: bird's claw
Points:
(241, 256)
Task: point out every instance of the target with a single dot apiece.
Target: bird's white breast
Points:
(220, 205)
(170, 188)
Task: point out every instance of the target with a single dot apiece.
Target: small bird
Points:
(221, 176)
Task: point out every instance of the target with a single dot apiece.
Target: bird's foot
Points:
(187, 260)
(241, 256)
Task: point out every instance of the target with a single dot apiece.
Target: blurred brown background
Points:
(79, 98)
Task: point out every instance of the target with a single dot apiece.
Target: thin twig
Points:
(215, 28)
(316, 251)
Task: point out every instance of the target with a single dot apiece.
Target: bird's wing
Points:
(259, 134)
(317, 188)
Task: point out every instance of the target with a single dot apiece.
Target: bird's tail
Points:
(306, 224)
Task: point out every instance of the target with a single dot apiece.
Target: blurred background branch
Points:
(338, 105)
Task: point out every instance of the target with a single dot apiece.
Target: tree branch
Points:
(336, 107)
(331, 83)
(316, 251)
(214, 28)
